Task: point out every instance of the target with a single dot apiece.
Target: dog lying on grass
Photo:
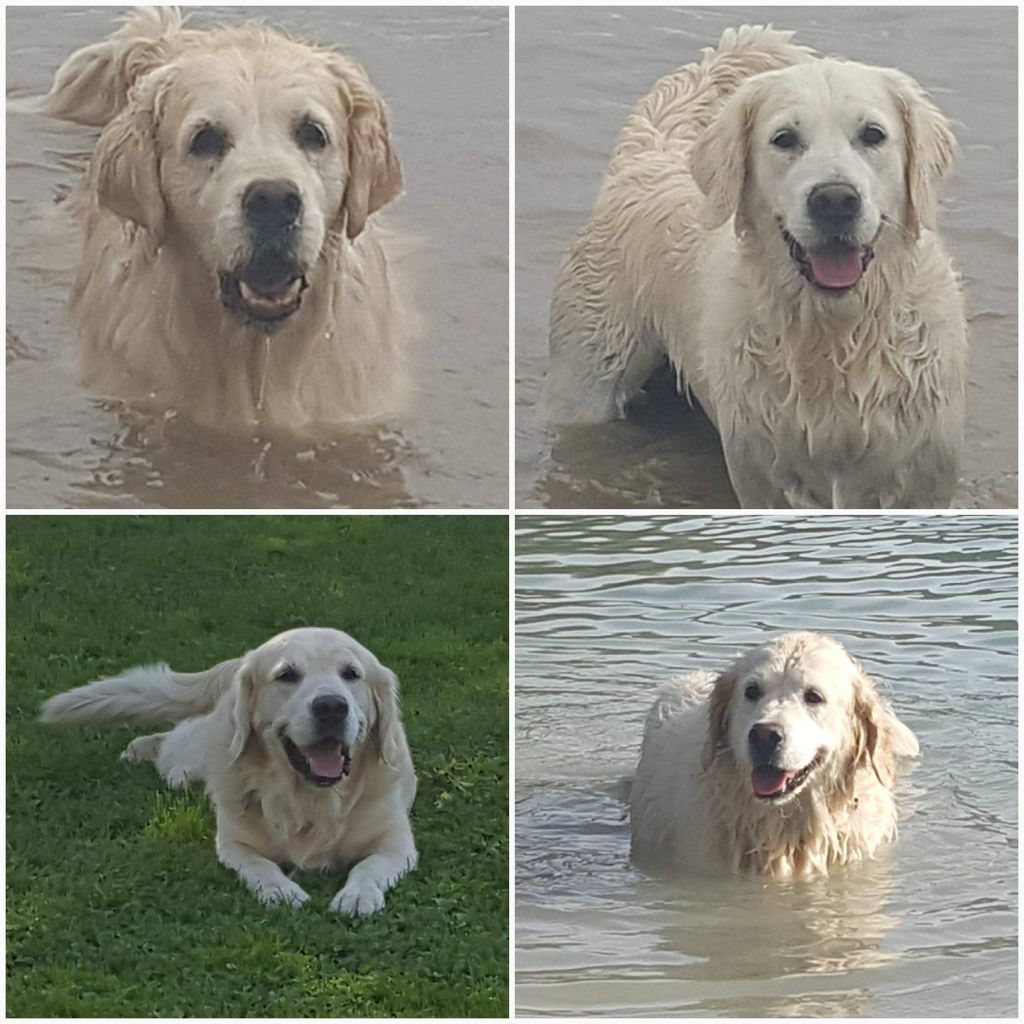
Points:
(301, 747)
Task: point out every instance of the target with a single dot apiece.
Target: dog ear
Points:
(125, 166)
(718, 717)
(718, 160)
(92, 85)
(874, 737)
(930, 150)
(242, 693)
(387, 729)
(374, 173)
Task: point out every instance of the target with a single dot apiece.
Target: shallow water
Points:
(443, 71)
(608, 608)
(578, 73)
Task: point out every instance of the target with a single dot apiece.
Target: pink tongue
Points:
(325, 759)
(769, 781)
(836, 267)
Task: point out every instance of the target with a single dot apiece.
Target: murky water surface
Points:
(578, 73)
(444, 73)
(609, 608)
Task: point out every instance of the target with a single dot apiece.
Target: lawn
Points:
(116, 904)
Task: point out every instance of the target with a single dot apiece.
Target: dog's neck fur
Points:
(305, 822)
(831, 349)
(807, 836)
(200, 359)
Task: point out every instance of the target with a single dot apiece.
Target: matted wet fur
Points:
(301, 748)
(231, 269)
(767, 225)
(781, 765)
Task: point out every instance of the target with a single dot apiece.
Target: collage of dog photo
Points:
(512, 511)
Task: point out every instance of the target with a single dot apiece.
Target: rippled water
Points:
(578, 73)
(443, 71)
(608, 608)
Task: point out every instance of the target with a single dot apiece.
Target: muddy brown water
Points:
(444, 74)
(580, 70)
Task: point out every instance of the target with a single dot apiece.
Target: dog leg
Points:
(143, 748)
(600, 356)
(269, 883)
(363, 892)
(152, 748)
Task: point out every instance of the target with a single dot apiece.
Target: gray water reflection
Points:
(442, 69)
(607, 608)
(580, 70)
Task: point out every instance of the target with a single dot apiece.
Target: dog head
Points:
(825, 164)
(315, 697)
(252, 152)
(800, 715)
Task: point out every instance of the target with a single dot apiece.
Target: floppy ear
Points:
(242, 698)
(374, 173)
(387, 729)
(878, 735)
(718, 160)
(92, 85)
(930, 149)
(125, 167)
(718, 717)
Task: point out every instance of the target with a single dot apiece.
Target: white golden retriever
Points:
(230, 268)
(302, 751)
(767, 224)
(783, 765)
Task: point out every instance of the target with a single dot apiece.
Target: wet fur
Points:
(158, 230)
(853, 401)
(691, 801)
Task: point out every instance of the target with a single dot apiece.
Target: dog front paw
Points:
(358, 899)
(285, 893)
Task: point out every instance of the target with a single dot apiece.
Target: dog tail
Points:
(149, 693)
(92, 85)
(682, 104)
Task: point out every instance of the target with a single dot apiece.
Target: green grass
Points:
(116, 904)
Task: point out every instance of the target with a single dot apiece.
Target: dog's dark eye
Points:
(785, 138)
(872, 135)
(350, 673)
(813, 697)
(209, 141)
(289, 674)
(310, 135)
(752, 692)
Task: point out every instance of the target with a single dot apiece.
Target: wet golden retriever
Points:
(231, 269)
(301, 748)
(782, 765)
(767, 225)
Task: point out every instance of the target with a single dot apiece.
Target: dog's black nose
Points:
(764, 740)
(330, 710)
(271, 206)
(834, 206)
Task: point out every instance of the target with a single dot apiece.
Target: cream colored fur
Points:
(822, 399)
(692, 801)
(163, 225)
(231, 721)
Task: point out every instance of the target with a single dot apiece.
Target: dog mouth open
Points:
(776, 784)
(265, 291)
(836, 266)
(323, 763)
